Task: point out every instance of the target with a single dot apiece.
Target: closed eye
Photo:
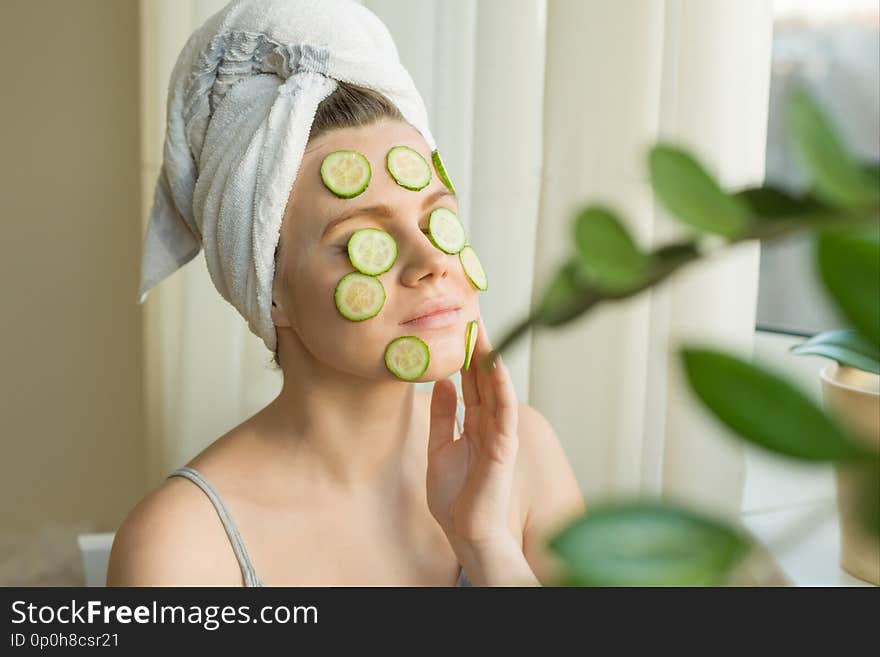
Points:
(344, 247)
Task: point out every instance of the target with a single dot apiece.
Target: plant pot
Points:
(853, 397)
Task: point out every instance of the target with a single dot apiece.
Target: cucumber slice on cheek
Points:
(346, 173)
(359, 297)
(473, 268)
(407, 357)
(408, 168)
(446, 231)
(470, 341)
(372, 251)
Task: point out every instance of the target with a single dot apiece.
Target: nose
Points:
(422, 259)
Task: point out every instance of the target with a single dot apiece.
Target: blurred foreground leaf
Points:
(691, 194)
(849, 265)
(609, 255)
(648, 544)
(765, 409)
(836, 176)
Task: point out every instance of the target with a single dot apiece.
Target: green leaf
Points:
(847, 347)
(690, 193)
(836, 176)
(849, 265)
(609, 256)
(764, 408)
(647, 544)
(561, 299)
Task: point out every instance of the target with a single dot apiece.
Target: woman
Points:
(351, 476)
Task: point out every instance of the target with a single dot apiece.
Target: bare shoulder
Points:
(549, 480)
(172, 537)
(549, 487)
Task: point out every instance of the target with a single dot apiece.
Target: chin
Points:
(446, 348)
(443, 368)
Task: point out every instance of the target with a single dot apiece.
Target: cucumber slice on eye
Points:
(358, 296)
(473, 268)
(346, 173)
(372, 251)
(408, 168)
(407, 357)
(470, 341)
(441, 171)
(446, 231)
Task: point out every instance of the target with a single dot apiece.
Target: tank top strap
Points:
(241, 554)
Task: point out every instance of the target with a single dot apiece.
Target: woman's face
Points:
(313, 257)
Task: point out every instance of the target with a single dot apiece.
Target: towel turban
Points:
(241, 102)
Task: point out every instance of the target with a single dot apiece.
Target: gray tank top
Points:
(247, 568)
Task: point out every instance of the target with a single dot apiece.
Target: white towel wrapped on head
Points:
(241, 102)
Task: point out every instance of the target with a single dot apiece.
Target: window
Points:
(832, 49)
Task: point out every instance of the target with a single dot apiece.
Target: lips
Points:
(433, 310)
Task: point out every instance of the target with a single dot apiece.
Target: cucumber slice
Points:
(407, 357)
(441, 171)
(372, 251)
(473, 268)
(346, 173)
(446, 231)
(408, 168)
(470, 341)
(358, 296)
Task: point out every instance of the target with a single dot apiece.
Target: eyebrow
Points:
(381, 210)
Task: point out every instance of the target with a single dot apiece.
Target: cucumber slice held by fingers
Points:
(446, 231)
(470, 341)
(407, 357)
(346, 173)
(473, 268)
(408, 168)
(441, 171)
(359, 297)
(372, 251)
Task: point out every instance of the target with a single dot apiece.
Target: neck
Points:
(348, 429)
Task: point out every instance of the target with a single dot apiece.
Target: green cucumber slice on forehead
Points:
(408, 168)
(470, 341)
(446, 231)
(359, 297)
(407, 357)
(372, 251)
(346, 173)
(441, 171)
(473, 268)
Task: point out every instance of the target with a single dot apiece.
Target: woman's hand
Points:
(469, 480)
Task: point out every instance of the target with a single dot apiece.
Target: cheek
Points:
(359, 347)
(332, 338)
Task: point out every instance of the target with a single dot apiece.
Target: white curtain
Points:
(538, 106)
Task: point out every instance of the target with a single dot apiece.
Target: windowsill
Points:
(790, 506)
(805, 541)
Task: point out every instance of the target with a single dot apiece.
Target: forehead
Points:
(310, 198)
(372, 140)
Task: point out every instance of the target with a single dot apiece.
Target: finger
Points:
(506, 402)
(485, 386)
(443, 405)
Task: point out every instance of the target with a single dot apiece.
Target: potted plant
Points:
(851, 391)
